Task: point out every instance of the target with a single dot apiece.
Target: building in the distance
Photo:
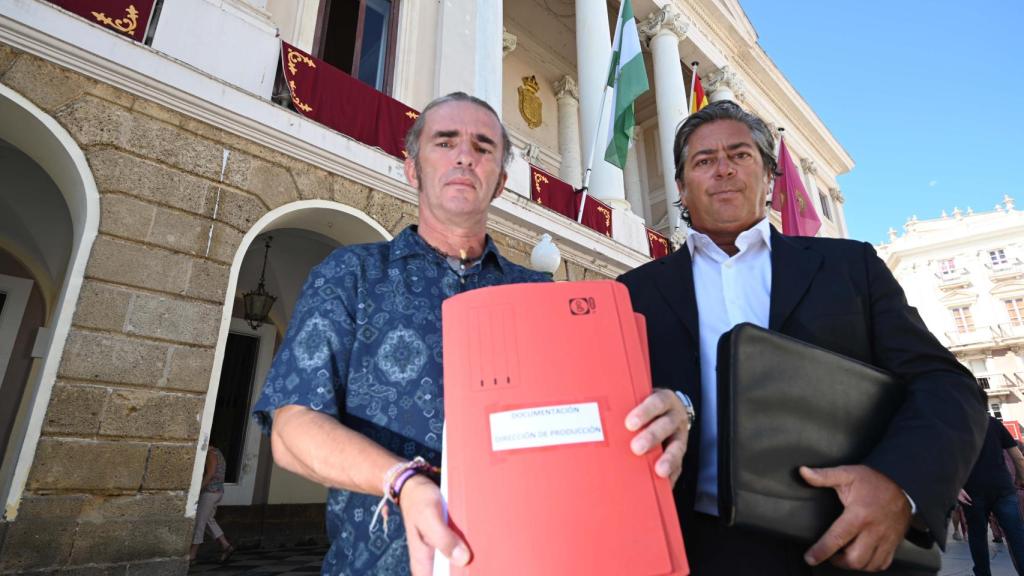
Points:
(964, 271)
(154, 153)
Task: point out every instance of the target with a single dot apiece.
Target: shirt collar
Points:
(760, 232)
(409, 242)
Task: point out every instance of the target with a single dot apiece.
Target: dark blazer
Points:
(839, 295)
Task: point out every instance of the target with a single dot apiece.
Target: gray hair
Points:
(726, 110)
(412, 138)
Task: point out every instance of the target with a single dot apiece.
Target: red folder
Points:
(540, 478)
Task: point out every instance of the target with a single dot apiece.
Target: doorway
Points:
(247, 357)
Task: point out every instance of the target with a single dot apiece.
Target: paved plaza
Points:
(305, 561)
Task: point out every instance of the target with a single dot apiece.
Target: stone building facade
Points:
(142, 184)
(964, 271)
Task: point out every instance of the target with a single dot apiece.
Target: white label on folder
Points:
(546, 426)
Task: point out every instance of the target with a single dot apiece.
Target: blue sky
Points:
(926, 96)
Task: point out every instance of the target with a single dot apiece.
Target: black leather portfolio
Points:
(782, 404)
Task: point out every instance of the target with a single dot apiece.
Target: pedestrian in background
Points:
(209, 497)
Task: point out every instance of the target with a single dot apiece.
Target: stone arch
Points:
(338, 222)
(39, 136)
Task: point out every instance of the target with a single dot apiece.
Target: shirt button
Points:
(728, 264)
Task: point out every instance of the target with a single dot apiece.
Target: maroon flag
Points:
(791, 200)
(336, 100)
(657, 244)
(549, 191)
(129, 17)
(596, 214)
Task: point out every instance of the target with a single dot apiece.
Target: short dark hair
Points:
(723, 110)
(412, 137)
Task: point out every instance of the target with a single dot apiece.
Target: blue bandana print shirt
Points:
(364, 345)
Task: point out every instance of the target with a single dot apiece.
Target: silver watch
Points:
(690, 412)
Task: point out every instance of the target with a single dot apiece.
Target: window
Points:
(962, 319)
(826, 209)
(998, 256)
(1015, 310)
(983, 382)
(996, 410)
(947, 266)
(358, 36)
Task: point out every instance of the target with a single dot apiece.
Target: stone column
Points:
(724, 84)
(593, 58)
(631, 173)
(837, 203)
(470, 41)
(568, 97)
(809, 170)
(663, 30)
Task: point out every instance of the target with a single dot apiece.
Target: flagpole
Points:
(771, 193)
(693, 86)
(585, 189)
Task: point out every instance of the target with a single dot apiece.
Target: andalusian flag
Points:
(698, 99)
(629, 79)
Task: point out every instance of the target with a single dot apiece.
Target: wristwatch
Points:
(690, 412)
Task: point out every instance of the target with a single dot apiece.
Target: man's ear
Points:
(501, 185)
(410, 173)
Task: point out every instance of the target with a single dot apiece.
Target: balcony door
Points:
(247, 359)
(358, 36)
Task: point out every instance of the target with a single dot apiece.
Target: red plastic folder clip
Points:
(540, 478)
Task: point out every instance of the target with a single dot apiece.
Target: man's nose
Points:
(464, 154)
(724, 166)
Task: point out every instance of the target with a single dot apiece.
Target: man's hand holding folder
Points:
(661, 420)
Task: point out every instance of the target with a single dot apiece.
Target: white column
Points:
(809, 170)
(837, 203)
(568, 98)
(631, 173)
(663, 30)
(469, 50)
(593, 57)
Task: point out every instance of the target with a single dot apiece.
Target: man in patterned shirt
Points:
(356, 387)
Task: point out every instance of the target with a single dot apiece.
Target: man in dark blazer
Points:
(833, 293)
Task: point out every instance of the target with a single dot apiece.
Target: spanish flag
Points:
(698, 99)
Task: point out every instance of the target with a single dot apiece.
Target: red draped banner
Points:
(596, 214)
(129, 17)
(335, 99)
(560, 196)
(657, 244)
(549, 191)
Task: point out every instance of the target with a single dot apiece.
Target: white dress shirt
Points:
(729, 290)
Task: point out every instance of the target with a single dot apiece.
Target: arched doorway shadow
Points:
(303, 233)
(35, 134)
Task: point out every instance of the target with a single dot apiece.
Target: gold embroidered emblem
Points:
(126, 25)
(537, 179)
(607, 219)
(411, 114)
(293, 58)
(530, 105)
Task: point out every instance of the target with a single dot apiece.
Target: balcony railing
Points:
(954, 278)
(1005, 270)
(1007, 331)
(977, 336)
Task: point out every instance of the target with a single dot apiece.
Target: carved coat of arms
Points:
(530, 105)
